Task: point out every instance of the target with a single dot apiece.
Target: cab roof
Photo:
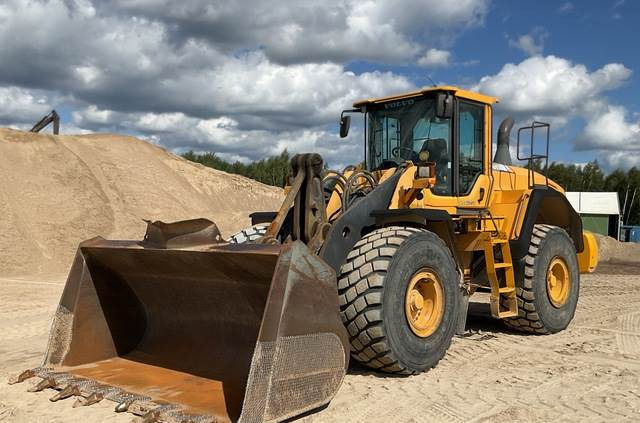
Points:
(458, 92)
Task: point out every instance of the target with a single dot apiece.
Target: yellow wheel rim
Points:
(558, 282)
(424, 303)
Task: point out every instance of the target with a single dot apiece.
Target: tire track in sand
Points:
(628, 339)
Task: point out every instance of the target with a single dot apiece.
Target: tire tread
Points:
(248, 234)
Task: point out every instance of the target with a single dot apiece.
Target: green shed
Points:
(600, 211)
(598, 223)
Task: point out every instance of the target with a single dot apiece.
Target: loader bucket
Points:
(220, 332)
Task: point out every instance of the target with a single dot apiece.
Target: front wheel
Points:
(399, 299)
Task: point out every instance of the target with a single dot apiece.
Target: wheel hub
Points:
(424, 303)
(558, 282)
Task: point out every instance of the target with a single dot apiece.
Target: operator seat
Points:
(437, 148)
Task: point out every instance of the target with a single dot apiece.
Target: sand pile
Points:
(611, 250)
(56, 191)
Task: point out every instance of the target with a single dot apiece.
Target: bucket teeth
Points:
(88, 392)
(159, 413)
(123, 406)
(90, 400)
(42, 385)
(22, 377)
(151, 417)
(68, 391)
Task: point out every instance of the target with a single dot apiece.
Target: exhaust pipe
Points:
(503, 155)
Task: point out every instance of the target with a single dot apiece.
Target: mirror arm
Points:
(349, 111)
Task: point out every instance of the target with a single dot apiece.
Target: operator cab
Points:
(442, 125)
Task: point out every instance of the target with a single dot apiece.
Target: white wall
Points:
(595, 202)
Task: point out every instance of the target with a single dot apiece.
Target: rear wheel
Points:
(548, 292)
(249, 234)
(399, 299)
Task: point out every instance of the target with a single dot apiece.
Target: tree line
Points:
(590, 177)
(271, 171)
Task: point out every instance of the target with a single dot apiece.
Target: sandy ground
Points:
(590, 372)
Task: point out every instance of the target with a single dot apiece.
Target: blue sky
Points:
(589, 32)
(246, 79)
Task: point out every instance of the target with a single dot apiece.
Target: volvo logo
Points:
(397, 104)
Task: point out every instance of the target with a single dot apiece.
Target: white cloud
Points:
(72, 129)
(527, 44)
(260, 94)
(620, 159)
(92, 115)
(435, 58)
(566, 7)
(294, 95)
(610, 129)
(551, 85)
(532, 43)
(225, 136)
(389, 31)
(556, 90)
(19, 105)
(87, 74)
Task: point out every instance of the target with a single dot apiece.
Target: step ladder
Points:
(504, 302)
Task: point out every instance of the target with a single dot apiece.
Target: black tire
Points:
(248, 234)
(372, 287)
(536, 313)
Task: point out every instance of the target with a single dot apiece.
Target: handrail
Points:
(532, 156)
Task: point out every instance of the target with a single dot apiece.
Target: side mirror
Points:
(444, 106)
(345, 123)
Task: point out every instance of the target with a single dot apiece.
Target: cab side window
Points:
(470, 154)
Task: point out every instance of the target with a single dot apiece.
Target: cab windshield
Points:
(399, 131)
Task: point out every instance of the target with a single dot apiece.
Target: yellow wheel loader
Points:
(376, 263)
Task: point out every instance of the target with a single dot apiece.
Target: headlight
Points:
(424, 171)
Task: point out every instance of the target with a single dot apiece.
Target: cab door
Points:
(473, 139)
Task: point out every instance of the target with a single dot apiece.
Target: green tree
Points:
(271, 171)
